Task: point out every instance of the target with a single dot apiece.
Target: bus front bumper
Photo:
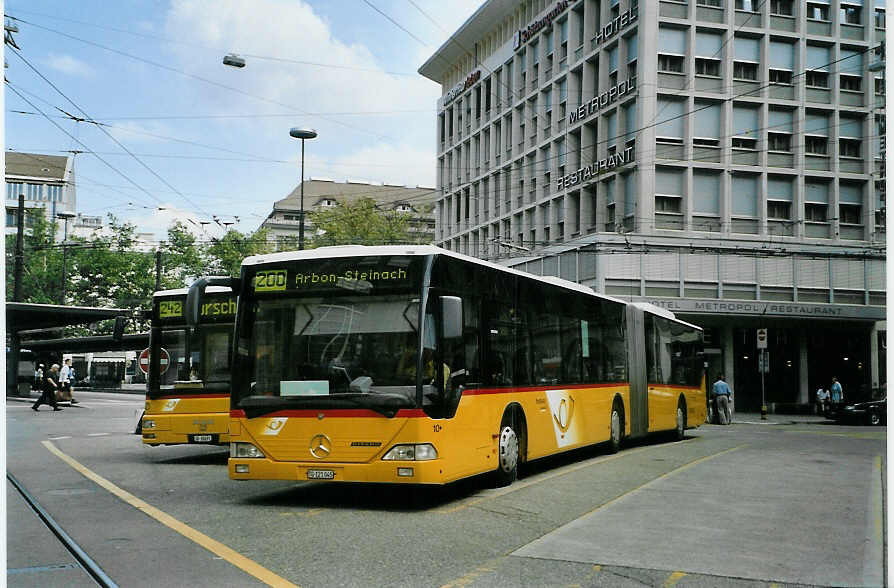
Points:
(389, 472)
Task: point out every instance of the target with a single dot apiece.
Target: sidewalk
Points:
(754, 418)
(138, 389)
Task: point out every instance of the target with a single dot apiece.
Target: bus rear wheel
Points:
(507, 467)
(680, 430)
(616, 434)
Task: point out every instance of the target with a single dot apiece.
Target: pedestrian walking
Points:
(822, 398)
(50, 386)
(721, 392)
(66, 379)
(836, 392)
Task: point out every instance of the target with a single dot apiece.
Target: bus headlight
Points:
(418, 452)
(245, 450)
(148, 424)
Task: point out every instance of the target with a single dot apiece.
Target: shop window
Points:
(744, 70)
(817, 79)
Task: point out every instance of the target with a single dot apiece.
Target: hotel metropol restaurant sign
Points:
(768, 309)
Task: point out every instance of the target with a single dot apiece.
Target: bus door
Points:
(636, 351)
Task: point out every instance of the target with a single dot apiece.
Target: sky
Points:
(184, 137)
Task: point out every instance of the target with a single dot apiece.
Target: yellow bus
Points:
(188, 381)
(406, 364)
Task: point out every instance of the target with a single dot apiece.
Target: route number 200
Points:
(271, 280)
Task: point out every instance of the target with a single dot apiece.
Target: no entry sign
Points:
(163, 361)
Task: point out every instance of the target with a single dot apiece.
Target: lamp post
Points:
(302, 134)
(64, 216)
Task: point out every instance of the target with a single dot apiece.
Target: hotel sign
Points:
(601, 101)
(461, 87)
(615, 25)
(594, 169)
(524, 35)
(778, 309)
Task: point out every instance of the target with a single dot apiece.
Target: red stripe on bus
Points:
(405, 413)
(479, 391)
(190, 395)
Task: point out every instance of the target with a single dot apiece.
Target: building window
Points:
(849, 147)
(852, 83)
(879, 18)
(667, 204)
(704, 142)
(880, 86)
(851, 14)
(781, 76)
(849, 214)
(744, 143)
(743, 70)
(782, 7)
(54, 193)
(817, 11)
(816, 145)
(779, 142)
(707, 67)
(670, 63)
(815, 212)
(817, 79)
(13, 190)
(709, 3)
(746, 5)
(779, 210)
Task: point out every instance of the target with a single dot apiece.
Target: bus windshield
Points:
(205, 361)
(358, 347)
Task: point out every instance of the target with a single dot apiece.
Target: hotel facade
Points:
(723, 159)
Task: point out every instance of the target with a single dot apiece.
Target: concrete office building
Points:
(721, 158)
(47, 181)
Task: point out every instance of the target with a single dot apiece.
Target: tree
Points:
(182, 259)
(228, 252)
(42, 263)
(361, 222)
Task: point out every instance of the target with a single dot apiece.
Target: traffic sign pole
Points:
(763, 366)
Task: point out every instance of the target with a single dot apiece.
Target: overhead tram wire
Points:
(214, 49)
(248, 116)
(110, 136)
(205, 80)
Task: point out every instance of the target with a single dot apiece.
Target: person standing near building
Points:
(50, 386)
(721, 393)
(38, 379)
(66, 377)
(835, 391)
(822, 397)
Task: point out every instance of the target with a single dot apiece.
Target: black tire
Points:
(680, 430)
(616, 429)
(508, 454)
(874, 419)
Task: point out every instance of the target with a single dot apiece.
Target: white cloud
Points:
(69, 65)
(158, 221)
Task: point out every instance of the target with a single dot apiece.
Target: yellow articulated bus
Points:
(417, 365)
(188, 392)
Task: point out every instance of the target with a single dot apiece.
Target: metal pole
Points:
(64, 258)
(763, 366)
(20, 250)
(157, 270)
(301, 224)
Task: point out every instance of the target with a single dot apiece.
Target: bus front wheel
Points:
(507, 469)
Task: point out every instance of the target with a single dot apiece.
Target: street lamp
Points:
(65, 216)
(233, 60)
(302, 134)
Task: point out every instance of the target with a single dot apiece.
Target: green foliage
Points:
(361, 223)
(182, 259)
(228, 252)
(42, 268)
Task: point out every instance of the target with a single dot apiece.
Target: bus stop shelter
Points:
(25, 318)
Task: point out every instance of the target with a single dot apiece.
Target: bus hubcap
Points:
(679, 419)
(508, 449)
(616, 427)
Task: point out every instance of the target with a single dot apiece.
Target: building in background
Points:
(47, 181)
(723, 159)
(319, 194)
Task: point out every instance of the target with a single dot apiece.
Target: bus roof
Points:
(662, 312)
(185, 291)
(414, 250)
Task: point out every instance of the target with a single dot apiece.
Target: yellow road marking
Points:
(488, 566)
(673, 579)
(240, 561)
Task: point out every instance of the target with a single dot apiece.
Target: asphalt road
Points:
(789, 503)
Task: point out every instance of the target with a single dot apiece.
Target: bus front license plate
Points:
(320, 474)
(202, 438)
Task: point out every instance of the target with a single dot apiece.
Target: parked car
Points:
(873, 412)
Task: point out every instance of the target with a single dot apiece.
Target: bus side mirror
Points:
(451, 316)
(197, 292)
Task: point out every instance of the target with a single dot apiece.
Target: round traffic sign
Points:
(164, 361)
